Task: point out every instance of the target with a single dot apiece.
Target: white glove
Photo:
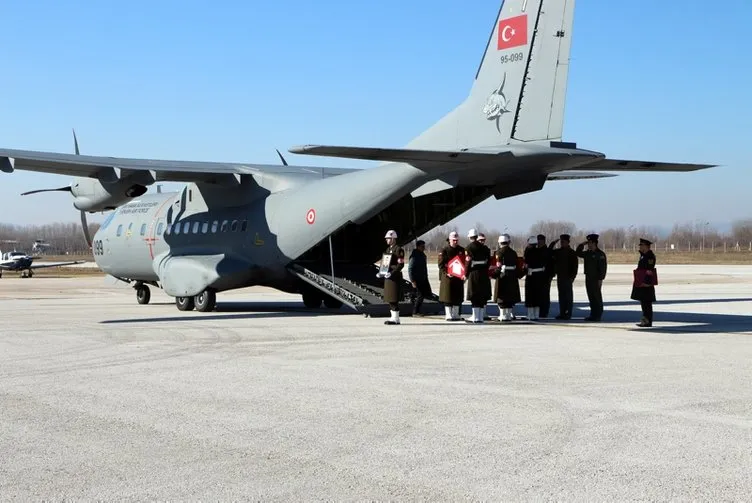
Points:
(388, 275)
(378, 274)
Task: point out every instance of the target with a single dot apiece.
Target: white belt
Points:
(539, 269)
(478, 262)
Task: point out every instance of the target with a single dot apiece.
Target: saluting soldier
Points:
(565, 265)
(595, 266)
(507, 288)
(535, 281)
(477, 256)
(395, 255)
(451, 289)
(645, 291)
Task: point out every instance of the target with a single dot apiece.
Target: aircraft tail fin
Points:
(520, 87)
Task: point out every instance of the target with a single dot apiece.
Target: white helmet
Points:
(504, 238)
(391, 234)
(454, 235)
(472, 233)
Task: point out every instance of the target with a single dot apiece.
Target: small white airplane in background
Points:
(24, 263)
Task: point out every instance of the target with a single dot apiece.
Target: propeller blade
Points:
(85, 227)
(280, 156)
(84, 223)
(75, 141)
(61, 189)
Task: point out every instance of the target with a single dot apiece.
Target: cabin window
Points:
(120, 230)
(195, 227)
(186, 228)
(224, 225)
(143, 229)
(234, 226)
(244, 226)
(160, 228)
(129, 232)
(190, 195)
(215, 225)
(204, 227)
(176, 228)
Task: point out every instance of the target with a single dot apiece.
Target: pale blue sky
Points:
(232, 81)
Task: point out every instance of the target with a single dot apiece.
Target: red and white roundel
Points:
(311, 216)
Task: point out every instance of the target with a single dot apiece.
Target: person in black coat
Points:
(645, 291)
(417, 270)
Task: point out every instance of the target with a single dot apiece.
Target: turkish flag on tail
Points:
(512, 32)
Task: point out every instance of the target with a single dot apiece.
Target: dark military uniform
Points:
(417, 268)
(595, 267)
(507, 288)
(478, 283)
(565, 265)
(536, 280)
(545, 290)
(646, 294)
(393, 284)
(450, 288)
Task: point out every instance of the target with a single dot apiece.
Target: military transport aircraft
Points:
(319, 231)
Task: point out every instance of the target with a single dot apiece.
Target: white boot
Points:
(471, 319)
(394, 320)
(478, 315)
(448, 313)
(502, 312)
(456, 312)
(508, 314)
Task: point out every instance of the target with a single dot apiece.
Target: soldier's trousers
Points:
(545, 303)
(422, 291)
(595, 298)
(566, 297)
(647, 310)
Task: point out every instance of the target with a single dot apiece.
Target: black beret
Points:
(593, 237)
(420, 242)
(541, 236)
(645, 242)
(564, 237)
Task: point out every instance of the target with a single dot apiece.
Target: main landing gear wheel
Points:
(143, 294)
(312, 299)
(332, 303)
(205, 301)
(185, 303)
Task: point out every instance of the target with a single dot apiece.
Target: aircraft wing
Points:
(44, 265)
(163, 170)
(578, 175)
(408, 156)
(632, 165)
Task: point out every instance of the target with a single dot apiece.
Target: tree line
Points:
(682, 237)
(68, 238)
(56, 238)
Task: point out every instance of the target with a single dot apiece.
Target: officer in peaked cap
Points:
(477, 256)
(451, 289)
(535, 281)
(645, 291)
(395, 254)
(507, 288)
(565, 265)
(595, 267)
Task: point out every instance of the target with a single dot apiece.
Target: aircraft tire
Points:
(332, 303)
(143, 294)
(312, 299)
(205, 301)
(185, 303)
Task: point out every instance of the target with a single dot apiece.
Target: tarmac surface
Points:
(102, 398)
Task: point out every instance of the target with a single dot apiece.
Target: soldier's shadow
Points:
(688, 322)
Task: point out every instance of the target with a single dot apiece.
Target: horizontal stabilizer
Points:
(579, 175)
(417, 158)
(631, 165)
